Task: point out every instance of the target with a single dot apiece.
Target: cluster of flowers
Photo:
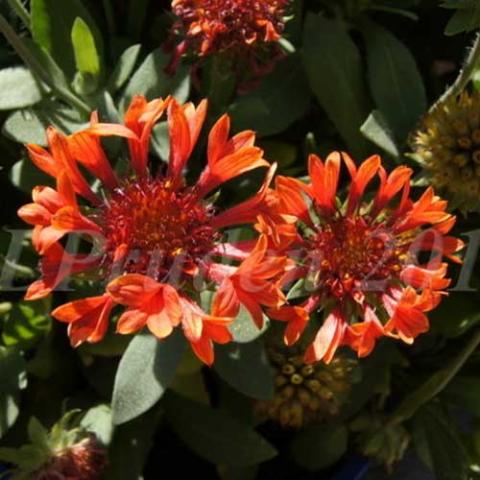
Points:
(157, 242)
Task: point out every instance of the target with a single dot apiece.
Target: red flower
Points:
(220, 25)
(360, 258)
(155, 240)
(85, 460)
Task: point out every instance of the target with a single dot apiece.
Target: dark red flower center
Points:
(157, 226)
(347, 255)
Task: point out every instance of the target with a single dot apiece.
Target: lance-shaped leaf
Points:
(395, 82)
(334, 69)
(216, 436)
(145, 371)
(246, 368)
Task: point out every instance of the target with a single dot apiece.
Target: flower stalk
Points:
(469, 66)
(21, 11)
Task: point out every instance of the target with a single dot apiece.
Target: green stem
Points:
(434, 385)
(18, 7)
(469, 66)
(37, 68)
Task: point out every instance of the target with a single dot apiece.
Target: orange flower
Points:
(360, 258)
(155, 240)
(219, 25)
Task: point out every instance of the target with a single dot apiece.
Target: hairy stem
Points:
(18, 7)
(469, 66)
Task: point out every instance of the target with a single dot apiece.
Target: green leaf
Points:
(151, 80)
(145, 371)
(29, 458)
(48, 64)
(161, 140)
(24, 126)
(395, 82)
(378, 132)
(320, 446)
(238, 473)
(86, 79)
(218, 83)
(214, 435)
(456, 315)
(24, 175)
(246, 368)
(12, 371)
(98, 420)
(85, 51)
(334, 69)
(282, 97)
(18, 88)
(8, 411)
(52, 23)
(465, 19)
(29, 125)
(465, 392)
(436, 383)
(191, 385)
(38, 434)
(439, 444)
(13, 379)
(124, 68)
(476, 79)
(244, 329)
(131, 444)
(26, 323)
(32, 55)
(375, 377)
(283, 153)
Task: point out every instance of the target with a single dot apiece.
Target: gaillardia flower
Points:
(372, 264)
(447, 144)
(238, 27)
(156, 241)
(305, 393)
(65, 452)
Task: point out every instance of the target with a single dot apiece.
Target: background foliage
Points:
(358, 75)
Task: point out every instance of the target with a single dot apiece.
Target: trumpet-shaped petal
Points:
(361, 258)
(152, 236)
(88, 318)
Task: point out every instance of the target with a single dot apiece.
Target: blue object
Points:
(4, 469)
(355, 469)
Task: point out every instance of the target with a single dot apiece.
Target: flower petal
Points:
(328, 339)
(133, 289)
(325, 179)
(363, 176)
